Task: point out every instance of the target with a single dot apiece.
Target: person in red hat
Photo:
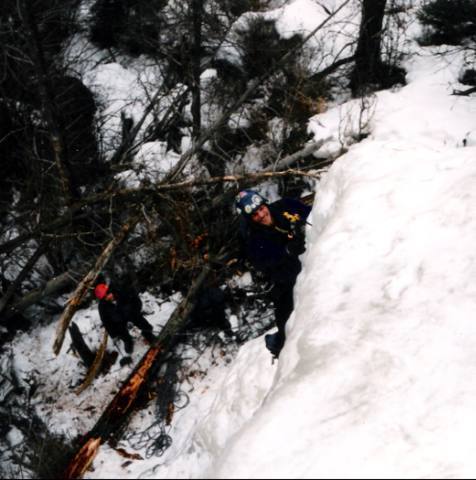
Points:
(118, 306)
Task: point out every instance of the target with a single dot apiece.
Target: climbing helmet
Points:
(101, 291)
(248, 201)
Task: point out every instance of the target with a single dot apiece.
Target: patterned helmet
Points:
(248, 201)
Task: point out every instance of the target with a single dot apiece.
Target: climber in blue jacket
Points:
(273, 237)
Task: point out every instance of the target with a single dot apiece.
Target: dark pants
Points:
(118, 329)
(133, 315)
(115, 318)
(283, 301)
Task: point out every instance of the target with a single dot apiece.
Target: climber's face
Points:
(109, 297)
(263, 216)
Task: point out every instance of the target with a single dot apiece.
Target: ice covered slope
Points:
(376, 378)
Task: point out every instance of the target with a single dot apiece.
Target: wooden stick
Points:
(95, 367)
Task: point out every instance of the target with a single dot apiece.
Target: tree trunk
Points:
(23, 274)
(197, 12)
(95, 365)
(65, 280)
(45, 89)
(368, 53)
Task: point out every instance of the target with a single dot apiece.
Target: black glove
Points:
(296, 245)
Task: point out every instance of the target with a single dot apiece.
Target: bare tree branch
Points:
(197, 145)
(95, 367)
(65, 280)
(109, 194)
(291, 159)
(23, 274)
(87, 282)
(464, 93)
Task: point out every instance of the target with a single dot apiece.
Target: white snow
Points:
(375, 377)
(301, 17)
(122, 90)
(375, 380)
(151, 163)
(380, 347)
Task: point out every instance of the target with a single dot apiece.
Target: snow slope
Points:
(374, 380)
(375, 377)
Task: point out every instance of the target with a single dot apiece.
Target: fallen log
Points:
(80, 346)
(95, 365)
(65, 280)
(122, 405)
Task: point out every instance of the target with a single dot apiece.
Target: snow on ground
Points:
(196, 434)
(301, 17)
(59, 376)
(375, 378)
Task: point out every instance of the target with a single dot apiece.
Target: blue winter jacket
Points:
(275, 250)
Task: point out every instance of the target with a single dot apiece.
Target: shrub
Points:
(133, 26)
(238, 7)
(262, 47)
(448, 21)
(468, 77)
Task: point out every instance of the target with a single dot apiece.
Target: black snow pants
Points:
(130, 313)
(283, 302)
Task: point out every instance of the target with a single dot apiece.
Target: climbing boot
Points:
(128, 344)
(274, 343)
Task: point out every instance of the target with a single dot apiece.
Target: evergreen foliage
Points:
(109, 22)
(24, 131)
(132, 26)
(448, 21)
(262, 47)
(238, 7)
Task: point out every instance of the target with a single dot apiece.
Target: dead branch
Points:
(331, 68)
(80, 346)
(464, 93)
(24, 272)
(291, 159)
(236, 179)
(41, 229)
(267, 173)
(87, 282)
(198, 144)
(95, 367)
(65, 280)
(120, 193)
